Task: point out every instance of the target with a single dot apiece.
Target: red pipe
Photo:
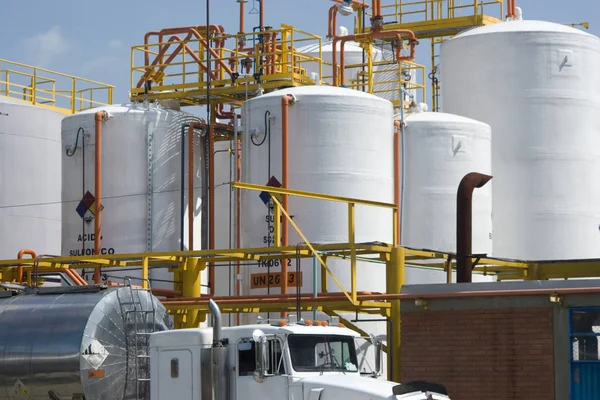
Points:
(20, 267)
(464, 262)
(397, 174)
(99, 117)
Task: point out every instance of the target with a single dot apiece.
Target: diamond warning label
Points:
(94, 353)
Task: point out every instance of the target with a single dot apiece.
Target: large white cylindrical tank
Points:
(340, 143)
(532, 82)
(385, 75)
(30, 179)
(440, 149)
(141, 185)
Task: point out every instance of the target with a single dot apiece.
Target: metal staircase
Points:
(139, 317)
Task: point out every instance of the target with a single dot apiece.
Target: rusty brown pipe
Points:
(74, 276)
(464, 205)
(332, 23)
(242, 28)
(99, 117)
(286, 100)
(397, 175)
(268, 299)
(20, 267)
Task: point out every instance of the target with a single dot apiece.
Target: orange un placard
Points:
(263, 281)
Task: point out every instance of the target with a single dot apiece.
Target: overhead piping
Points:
(99, 117)
(397, 34)
(20, 267)
(464, 205)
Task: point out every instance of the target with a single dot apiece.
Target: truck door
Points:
(276, 382)
(175, 375)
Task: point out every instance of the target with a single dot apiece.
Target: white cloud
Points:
(115, 44)
(44, 48)
(100, 64)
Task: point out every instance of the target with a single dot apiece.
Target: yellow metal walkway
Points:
(66, 94)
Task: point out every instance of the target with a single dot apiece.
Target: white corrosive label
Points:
(93, 352)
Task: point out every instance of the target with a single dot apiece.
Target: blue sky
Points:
(93, 39)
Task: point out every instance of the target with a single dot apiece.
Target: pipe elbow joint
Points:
(289, 99)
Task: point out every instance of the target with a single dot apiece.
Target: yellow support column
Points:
(394, 282)
(191, 287)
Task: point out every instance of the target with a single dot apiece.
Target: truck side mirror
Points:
(262, 355)
(378, 354)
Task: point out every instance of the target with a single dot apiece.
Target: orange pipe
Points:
(332, 26)
(397, 174)
(267, 299)
(285, 105)
(77, 280)
(171, 31)
(211, 202)
(99, 117)
(20, 267)
(242, 17)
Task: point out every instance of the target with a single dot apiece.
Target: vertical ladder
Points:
(139, 325)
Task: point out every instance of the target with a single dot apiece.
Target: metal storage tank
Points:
(440, 149)
(30, 178)
(531, 82)
(141, 154)
(353, 54)
(76, 342)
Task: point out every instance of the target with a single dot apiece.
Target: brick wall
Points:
(497, 354)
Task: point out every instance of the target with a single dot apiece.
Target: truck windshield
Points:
(322, 353)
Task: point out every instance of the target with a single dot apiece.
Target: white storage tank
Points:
(440, 149)
(340, 143)
(30, 179)
(532, 82)
(141, 185)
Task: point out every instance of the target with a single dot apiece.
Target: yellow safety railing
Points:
(351, 202)
(387, 77)
(407, 11)
(240, 64)
(45, 88)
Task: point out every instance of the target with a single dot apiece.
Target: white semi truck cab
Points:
(283, 360)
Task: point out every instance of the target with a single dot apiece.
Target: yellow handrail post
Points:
(277, 227)
(7, 83)
(33, 86)
(145, 272)
(351, 241)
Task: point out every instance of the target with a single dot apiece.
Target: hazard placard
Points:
(260, 281)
